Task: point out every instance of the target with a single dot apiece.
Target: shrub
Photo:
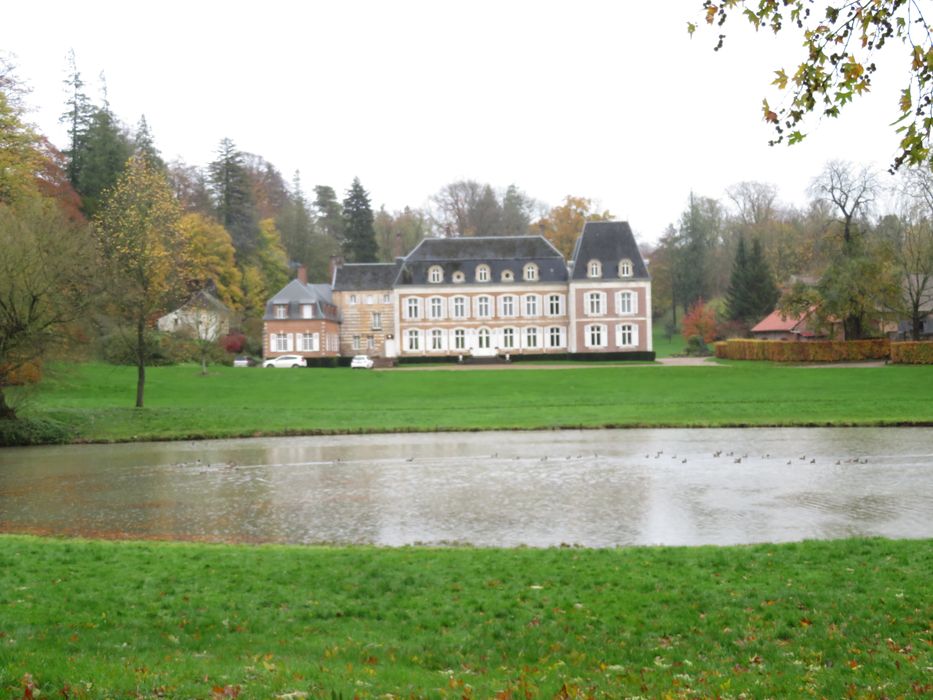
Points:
(26, 373)
(699, 321)
(804, 351)
(696, 347)
(233, 343)
(912, 353)
(30, 431)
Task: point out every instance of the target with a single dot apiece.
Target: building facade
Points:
(496, 296)
(303, 320)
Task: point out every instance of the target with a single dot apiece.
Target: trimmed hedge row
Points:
(804, 351)
(912, 353)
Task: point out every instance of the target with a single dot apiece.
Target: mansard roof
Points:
(295, 294)
(365, 276)
(498, 252)
(608, 242)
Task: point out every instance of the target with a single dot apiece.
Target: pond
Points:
(594, 488)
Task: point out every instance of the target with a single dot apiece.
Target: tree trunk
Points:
(140, 361)
(7, 412)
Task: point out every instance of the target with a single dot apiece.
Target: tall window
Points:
(482, 273)
(386, 299)
(436, 339)
(377, 321)
(482, 307)
(281, 310)
(459, 307)
(369, 298)
(626, 303)
(508, 305)
(595, 336)
(411, 307)
(483, 338)
(555, 305)
(626, 335)
(459, 339)
(356, 342)
(307, 311)
(413, 340)
(435, 274)
(508, 337)
(594, 269)
(530, 272)
(437, 305)
(594, 303)
(531, 337)
(555, 336)
(353, 298)
(308, 342)
(279, 342)
(370, 342)
(531, 305)
(625, 268)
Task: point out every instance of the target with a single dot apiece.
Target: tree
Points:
(455, 204)
(144, 254)
(77, 118)
(212, 258)
(232, 190)
(329, 212)
(45, 258)
(752, 293)
(563, 224)
(840, 42)
(910, 247)
(699, 322)
(517, 208)
(359, 235)
(20, 159)
(144, 144)
(400, 232)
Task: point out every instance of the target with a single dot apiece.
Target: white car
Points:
(361, 362)
(285, 361)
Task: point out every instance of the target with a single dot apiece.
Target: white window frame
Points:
(281, 311)
(632, 329)
(594, 304)
(436, 308)
(632, 298)
(482, 273)
(459, 307)
(507, 306)
(353, 298)
(435, 274)
(279, 342)
(555, 300)
(370, 342)
(356, 342)
(530, 305)
(625, 267)
(481, 302)
(594, 269)
(556, 332)
(376, 320)
(413, 340)
(531, 337)
(459, 339)
(386, 299)
(508, 338)
(412, 308)
(307, 311)
(437, 339)
(484, 339)
(597, 332)
(530, 273)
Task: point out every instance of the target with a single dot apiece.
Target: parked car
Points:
(361, 362)
(285, 361)
(244, 361)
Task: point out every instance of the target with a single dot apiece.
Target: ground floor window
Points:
(370, 342)
(413, 343)
(459, 339)
(308, 342)
(483, 338)
(508, 338)
(555, 337)
(531, 337)
(595, 336)
(356, 342)
(626, 335)
(279, 342)
(437, 340)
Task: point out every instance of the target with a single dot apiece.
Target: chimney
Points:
(336, 262)
(397, 247)
(302, 274)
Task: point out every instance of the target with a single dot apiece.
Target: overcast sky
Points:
(607, 100)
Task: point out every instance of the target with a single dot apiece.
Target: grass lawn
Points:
(664, 347)
(96, 399)
(838, 619)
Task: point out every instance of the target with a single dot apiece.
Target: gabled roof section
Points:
(365, 276)
(500, 253)
(777, 322)
(609, 242)
(295, 294)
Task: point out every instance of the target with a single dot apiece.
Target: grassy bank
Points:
(96, 400)
(106, 619)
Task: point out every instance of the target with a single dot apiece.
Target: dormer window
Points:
(482, 273)
(281, 310)
(508, 276)
(594, 269)
(625, 268)
(458, 277)
(530, 273)
(435, 274)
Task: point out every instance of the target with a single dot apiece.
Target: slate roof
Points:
(295, 294)
(609, 242)
(365, 276)
(499, 252)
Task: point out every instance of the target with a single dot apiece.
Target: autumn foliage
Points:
(912, 353)
(700, 321)
(804, 351)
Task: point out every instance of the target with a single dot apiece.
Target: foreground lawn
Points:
(82, 619)
(96, 400)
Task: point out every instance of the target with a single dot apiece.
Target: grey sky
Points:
(608, 100)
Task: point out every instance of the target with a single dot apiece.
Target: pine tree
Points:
(102, 155)
(329, 212)
(233, 198)
(360, 236)
(77, 118)
(739, 292)
(764, 293)
(144, 144)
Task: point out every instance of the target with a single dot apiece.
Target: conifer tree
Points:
(738, 294)
(360, 236)
(233, 198)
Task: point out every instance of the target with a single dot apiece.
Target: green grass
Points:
(117, 619)
(664, 347)
(96, 400)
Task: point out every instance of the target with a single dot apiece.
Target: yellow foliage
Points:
(563, 224)
(213, 257)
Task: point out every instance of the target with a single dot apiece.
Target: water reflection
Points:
(596, 488)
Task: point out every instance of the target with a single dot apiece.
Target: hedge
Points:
(912, 353)
(804, 351)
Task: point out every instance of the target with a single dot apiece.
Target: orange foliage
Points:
(912, 353)
(804, 351)
(699, 321)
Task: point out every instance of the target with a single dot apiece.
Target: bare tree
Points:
(851, 191)
(912, 249)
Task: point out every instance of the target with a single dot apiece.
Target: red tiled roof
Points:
(775, 322)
